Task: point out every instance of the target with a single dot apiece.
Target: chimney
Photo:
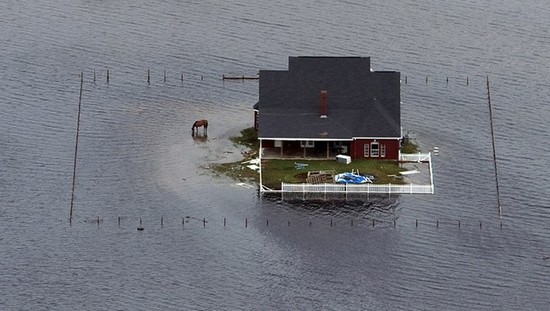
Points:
(324, 103)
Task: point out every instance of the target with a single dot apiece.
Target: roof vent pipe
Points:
(324, 104)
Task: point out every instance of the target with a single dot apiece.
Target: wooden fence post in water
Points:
(161, 221)
(148, 75)
(164, 76)
(224, 222)
(107, 76)
(467, 80)
(204, 222)
(140, 227)
(182, 77)
(246, 222)
(94, 75)
(417, 223)
(119, 221)
(459, 223)
(494, 147)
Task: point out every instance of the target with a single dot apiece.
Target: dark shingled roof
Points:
(361, 103)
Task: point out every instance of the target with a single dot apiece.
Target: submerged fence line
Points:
(195, 222)
(182, 75)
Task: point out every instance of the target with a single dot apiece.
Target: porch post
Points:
(327, 151)
(282, 144)
(260, 165)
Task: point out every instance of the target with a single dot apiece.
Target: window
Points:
(374, 149)
(307, 144)
(366, 150)
(383, 151)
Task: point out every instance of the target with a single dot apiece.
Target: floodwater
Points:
(235, 250)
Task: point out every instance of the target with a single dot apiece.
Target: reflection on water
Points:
(359, 206)
(199, 137)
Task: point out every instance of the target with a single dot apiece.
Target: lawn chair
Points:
(300, 166)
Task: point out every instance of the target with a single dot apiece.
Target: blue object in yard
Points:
(351, 178)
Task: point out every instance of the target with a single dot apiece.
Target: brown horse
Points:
(199, 123)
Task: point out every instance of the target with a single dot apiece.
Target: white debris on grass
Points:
(255, 161)
(409, 172)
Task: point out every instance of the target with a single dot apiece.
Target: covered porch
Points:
(303, 149)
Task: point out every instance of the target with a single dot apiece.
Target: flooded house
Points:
(322, 107)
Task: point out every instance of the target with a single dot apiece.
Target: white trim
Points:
(372, 153)
(378, 138)
(309, 139)
(329, 139)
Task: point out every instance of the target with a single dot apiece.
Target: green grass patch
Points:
(235, 170)
(249, 138)
(276, 171)
(410, 147)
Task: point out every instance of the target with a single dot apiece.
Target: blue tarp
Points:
(351, 178)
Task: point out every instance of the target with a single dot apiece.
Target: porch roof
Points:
(293, 124)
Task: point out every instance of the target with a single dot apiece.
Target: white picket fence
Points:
(415, 157)
(331, 188)
(357, 188)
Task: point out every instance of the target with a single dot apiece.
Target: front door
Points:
(374, 149)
